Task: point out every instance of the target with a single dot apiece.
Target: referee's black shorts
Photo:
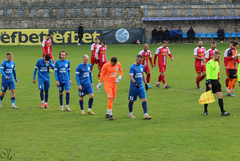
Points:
(216, 86)
(232, 73)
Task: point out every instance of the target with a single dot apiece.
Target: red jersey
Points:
(210, 53)
(101, 53)
(200, 52)
(47, 46)
(94, 48)
(162, 55)
(146, 55)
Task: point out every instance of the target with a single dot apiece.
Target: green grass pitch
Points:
(178, 130)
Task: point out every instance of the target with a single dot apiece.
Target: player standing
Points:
(63, 78)
(136, 86)
(162, 53)
(146, 55)
(85, 83)
(47, 48)
(213, 83)
(100, 55)
(225, 63)
(199, 55)
(94, 47)
(42, 66)
(232, 68)
(8, 71)
(109, 71)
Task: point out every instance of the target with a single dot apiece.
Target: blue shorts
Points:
(86, 89)
(8, 84)
(134, 92)
(42, 85)
(63, 86)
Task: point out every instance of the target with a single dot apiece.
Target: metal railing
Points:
(145, 7)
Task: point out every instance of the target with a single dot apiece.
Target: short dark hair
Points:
(47, 57)
(139, 56)
(231, 42)
(9, 53)
(48, 35)
(217, 53)
(114, 59)
(235, 43)
(213, 42)
(165, 42)
(104, 42)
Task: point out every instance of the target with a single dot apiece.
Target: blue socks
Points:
(67, 98)
(90, 102)
(1, 98)
(13, 100)
(81, 104)
(41, 95)
(144, 105)
(61, 99)
(130, 106)
(46, 96)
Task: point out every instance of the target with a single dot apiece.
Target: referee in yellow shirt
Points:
(213, 84)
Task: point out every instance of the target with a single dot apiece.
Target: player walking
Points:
(199, 55)
(94, 47)
(100, 55)
(8, 71)
(146, 55)
(43, 77)
(85, 84)
(213, 83)
(162, 53)
(136, 86)
(63, 78)
(225, 63)
(47, 48)
(109, 71)
(232, 68)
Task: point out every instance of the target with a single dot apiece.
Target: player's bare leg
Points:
(90, 102)
(67, 101)
(1, 98)
(144, 105)
(200, 78)
(130, 107)
(148, 79)
(13, 98)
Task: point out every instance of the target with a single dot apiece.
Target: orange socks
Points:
(110, 104)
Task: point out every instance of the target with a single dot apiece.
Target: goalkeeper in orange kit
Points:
(110, 71)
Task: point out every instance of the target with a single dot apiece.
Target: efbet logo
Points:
(24, 37)
(71, 37)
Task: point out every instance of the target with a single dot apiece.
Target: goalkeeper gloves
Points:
(118, 79)
(99, 86)
(237, 55)
(146, 86)
(137, 85)
(98, 61)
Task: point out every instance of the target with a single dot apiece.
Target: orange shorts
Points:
(111, 89)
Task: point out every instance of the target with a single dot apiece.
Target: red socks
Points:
(148, 77)
(199, 79)
(159, 78)
(163, 80)
(227, 81)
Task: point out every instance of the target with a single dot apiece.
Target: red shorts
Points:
(162, 67)
(51, 56)
(147, 69)
(93, 60)
(200, 68)
(100, 65)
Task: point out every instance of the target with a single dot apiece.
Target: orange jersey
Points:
(231, 62)
(110, 72)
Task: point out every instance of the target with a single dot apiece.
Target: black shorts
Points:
(232, 73)
(216, 86)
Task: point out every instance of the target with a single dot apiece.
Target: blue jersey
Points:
(8, 69)
(43, 70)
(84, 74)
(137, 72)
(62, 71)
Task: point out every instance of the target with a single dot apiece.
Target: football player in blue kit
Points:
(137, 78)
(85, 83)
(42, 66)
(8, 71)
(63, 78)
